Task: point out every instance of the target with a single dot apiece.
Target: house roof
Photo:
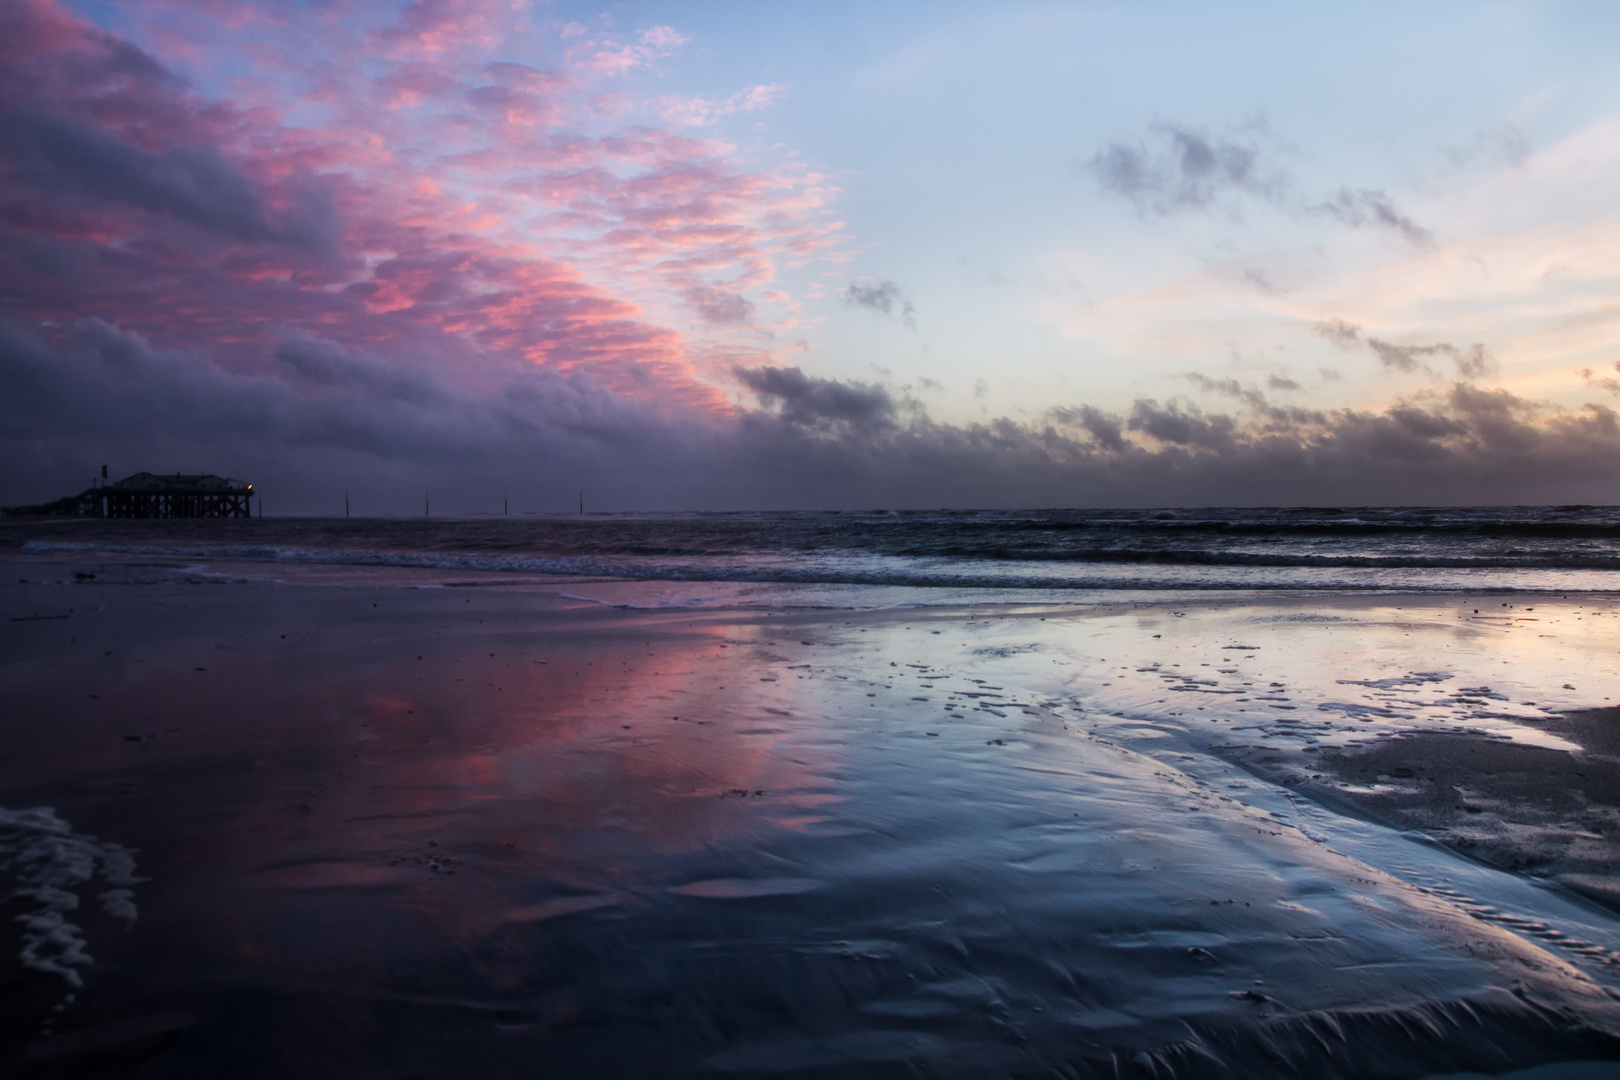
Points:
(146, 481)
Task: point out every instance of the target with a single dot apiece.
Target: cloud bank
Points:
(326, 418)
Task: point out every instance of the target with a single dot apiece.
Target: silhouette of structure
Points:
(148, 495)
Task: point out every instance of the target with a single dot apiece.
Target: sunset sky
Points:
(823, 255)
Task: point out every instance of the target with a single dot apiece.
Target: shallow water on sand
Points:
(420, 831)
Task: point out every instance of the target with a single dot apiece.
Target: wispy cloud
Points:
(883, 297)
(1178, 169)
(1367, 207)
(702, 111)
(1602, 382)
(1470, 362)
(613, 56)
(1342, 334)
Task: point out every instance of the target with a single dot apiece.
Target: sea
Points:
(1418, 549)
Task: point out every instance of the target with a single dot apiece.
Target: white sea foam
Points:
(47, 865)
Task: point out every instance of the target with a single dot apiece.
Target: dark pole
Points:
(582, 502)
(427, 507)
(345, 504)
(504, 510)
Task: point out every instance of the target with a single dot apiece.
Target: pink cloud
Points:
(441, 195)
(701, 111)
(609, 56)
(437, 27)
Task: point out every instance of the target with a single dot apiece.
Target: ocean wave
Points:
(1509, 560)
(1422, 548)
(1241, 574)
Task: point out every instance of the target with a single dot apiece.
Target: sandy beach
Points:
(486, 821)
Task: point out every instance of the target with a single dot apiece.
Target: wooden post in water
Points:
(581, 502)
(504, 510)
(345, 504)
(427, 506)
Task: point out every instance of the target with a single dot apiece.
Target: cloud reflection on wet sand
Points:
(508, 828)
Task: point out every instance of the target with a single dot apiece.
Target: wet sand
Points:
(1551, 813)
(439, 831)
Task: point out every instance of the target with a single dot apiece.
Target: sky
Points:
(731, 256)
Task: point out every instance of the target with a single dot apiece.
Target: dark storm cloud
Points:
(1178, 169)
(123, 389)
(1182, 425)
(810, 402)
(330, 364)
(1106, 430)
(1423, 424)
(195, 185)
(718, 306)
(323, 418)
(884, 297)
(104, 393)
